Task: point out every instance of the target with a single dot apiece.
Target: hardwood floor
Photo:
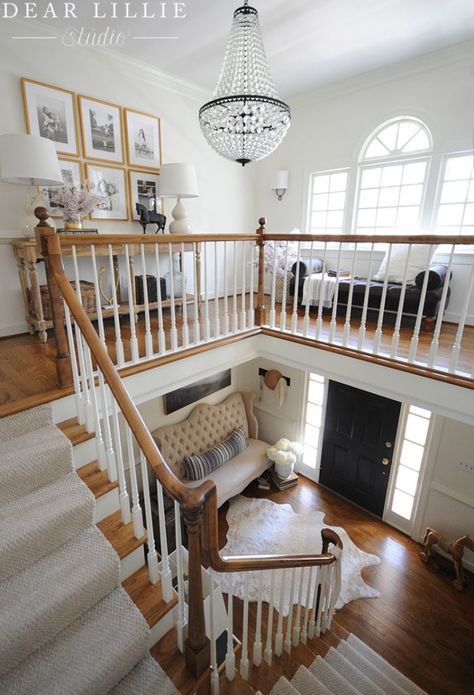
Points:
(420, 624)
(27, 368)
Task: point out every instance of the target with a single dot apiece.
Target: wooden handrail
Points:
(433, 239)
(68, 240)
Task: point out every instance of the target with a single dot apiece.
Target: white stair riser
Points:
(84, 453)
(63, 409)
(161, 628)
(132, 563)
(106, 504)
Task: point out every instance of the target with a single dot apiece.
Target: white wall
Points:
(226, 201)
(330, 126)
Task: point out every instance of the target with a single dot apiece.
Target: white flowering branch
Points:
(76, 201)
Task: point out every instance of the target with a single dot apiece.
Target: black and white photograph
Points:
(110, 183)
(50, 113)
(143, 136)
(144, 190)
(71, 172)
(101, 127)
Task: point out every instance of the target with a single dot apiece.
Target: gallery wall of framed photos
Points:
(116, 149)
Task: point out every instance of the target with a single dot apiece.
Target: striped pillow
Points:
(200, 465)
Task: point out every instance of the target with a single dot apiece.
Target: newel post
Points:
(197, 647)
(48, 243)
(260, 310)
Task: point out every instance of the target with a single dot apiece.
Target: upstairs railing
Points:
(383, 298)
(122, 441)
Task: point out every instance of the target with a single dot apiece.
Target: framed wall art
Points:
(109, 182)
(101, 128)
(71, 171)
(143, 140)
(174, 400)
(50, 112)
(144, 189)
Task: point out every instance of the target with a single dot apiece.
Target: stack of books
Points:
(264, 481)
(284, 484)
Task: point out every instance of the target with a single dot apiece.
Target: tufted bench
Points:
(207, 426)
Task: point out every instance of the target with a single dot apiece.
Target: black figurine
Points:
(150, 217)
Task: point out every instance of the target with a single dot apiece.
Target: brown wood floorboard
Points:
(28, 375)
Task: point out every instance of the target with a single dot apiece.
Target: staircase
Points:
(68, 625)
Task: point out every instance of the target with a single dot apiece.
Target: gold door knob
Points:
(385, 461)
(388, 445)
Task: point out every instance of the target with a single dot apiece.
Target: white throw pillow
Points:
(420, 259)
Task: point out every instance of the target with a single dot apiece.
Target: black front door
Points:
(358, 445)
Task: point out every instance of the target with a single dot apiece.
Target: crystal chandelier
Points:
(245, 121)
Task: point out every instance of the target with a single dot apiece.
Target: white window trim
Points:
(309, 204)
(308, 471)
(396, 155)
(439, 189)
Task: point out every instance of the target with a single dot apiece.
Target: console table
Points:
(27, 258)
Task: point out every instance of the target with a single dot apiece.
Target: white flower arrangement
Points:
(76, 201)
(285, 453)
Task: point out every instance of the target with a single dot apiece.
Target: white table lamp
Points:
(179, 181)
(29, 160)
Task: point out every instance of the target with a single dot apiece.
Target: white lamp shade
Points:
(280, 180)
(178, 180)
(29, 160)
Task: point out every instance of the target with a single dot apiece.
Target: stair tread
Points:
(96, 480)
(331, 678)
(284, 687)
(74, 431)
(370, 670)
(120, 535)
(147, 678)
(346, 668)
(148, 597)
(306, 683)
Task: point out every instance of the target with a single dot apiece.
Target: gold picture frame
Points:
(101, 143)
(47, 193)
(98, 184)
(55, 117)
(132, 173)
(143, 140)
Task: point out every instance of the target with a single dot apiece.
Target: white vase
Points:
(178, 280)
(284, 470)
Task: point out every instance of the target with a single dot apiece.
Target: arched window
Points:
(393, 169)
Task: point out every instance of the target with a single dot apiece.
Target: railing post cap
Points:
(262, 221)
(42, 214)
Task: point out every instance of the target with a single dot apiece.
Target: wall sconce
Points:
(280, 183)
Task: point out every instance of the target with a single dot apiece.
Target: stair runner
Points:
(352, 668)
(67, 626)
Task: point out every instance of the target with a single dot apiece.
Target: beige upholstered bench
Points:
(207, 426)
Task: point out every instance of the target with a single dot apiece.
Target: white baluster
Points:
(442, 305)
(333, 322)
(88, 414)
(347, 323)
(148, 337)
(244, 659)
(152, 557)
(75, 370)
(230, 656)
(267, 654)
(185, 327)
(217, 329)
(161, 332)
(257, 645)
(273, 290)
(119, 351)
(226, 299)
(325, 619)
(251, 322)
(166, 578)
(173, 329)
(363, 321)
(297, 627)
(212, 633)
(285, 287)
(123, 494)
(401, 302)
(294, 318)
(419, 316)
(456, 349)
(314, 609)
(98, 298)
(281, 607)
(310, 584)
(289, 620)
(207, 323)
(131, 308)
(306, 310)
(321, 599)
(137, 515)
(319, 320)
(235, 319)
(99, 441)
(197, 299)
(243, 310)
(181, 618)
(383, 299)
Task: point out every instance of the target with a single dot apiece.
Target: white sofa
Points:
(207, 426)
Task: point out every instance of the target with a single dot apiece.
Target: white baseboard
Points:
(454, 318)
(13, 329)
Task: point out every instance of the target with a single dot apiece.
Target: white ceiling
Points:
(309, 43)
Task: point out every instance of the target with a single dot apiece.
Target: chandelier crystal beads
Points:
(245, 121)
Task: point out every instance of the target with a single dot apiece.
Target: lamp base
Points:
(180, 224)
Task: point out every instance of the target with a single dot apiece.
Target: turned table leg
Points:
(36, 301)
